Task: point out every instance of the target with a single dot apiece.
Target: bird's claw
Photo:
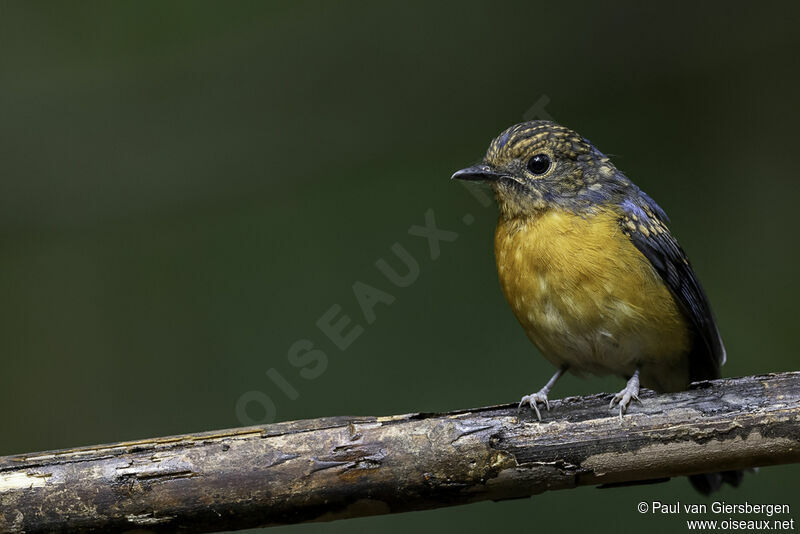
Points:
(624, 398)
(532, 400)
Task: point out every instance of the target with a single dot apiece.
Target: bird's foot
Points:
(624, 397)
(533, 399)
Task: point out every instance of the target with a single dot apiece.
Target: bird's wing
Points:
(644, 222)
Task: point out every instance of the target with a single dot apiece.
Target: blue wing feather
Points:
(670, 262)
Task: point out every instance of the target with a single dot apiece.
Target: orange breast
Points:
(589, 299)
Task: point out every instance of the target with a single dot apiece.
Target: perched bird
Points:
(591, 271)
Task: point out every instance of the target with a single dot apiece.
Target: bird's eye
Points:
(539, 163)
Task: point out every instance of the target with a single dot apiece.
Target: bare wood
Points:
(339, 467)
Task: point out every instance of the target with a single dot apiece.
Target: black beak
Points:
(478, 173)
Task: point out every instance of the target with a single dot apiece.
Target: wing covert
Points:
(645, 224)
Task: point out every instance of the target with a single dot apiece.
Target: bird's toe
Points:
(533, 401)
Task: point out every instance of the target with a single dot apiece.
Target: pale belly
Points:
(590, 300)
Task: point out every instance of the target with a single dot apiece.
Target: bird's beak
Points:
(478, 173)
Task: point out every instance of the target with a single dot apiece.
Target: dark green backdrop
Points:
(185, 188)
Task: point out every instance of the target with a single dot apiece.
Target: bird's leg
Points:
(624, 397)
(541, 395)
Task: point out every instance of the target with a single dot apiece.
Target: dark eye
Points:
(539, 163)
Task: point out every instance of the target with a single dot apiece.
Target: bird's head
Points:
(537, 165)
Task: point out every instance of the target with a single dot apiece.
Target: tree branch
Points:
(339, 467)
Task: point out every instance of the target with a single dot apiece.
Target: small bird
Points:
(592, 272)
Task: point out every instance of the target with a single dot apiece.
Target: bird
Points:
(588, 264)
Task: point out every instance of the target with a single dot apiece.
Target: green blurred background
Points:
(185, 188)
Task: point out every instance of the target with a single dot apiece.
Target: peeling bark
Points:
(340, 467)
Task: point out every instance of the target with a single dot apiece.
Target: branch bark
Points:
(340, 467)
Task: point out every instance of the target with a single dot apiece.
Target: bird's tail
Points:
(704, 364)
(708, 483)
